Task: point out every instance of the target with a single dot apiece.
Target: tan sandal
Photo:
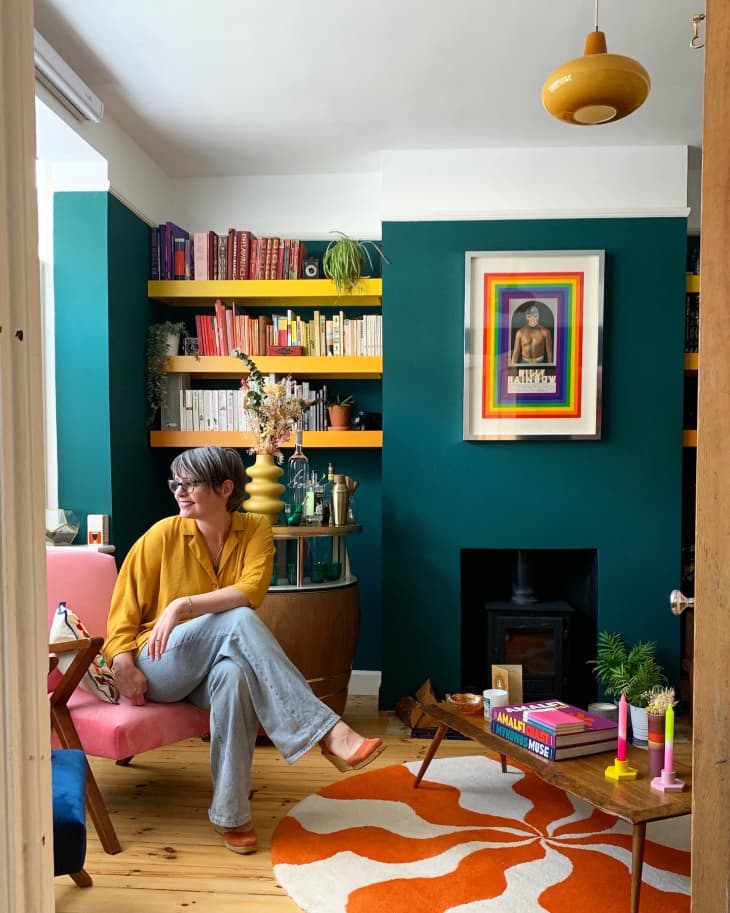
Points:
(367, 752)
(237, 840)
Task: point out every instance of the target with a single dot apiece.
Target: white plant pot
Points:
(639, 725)
(173, 344)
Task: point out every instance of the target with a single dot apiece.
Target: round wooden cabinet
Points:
(313, 606)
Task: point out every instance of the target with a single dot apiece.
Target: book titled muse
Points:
(598, 733)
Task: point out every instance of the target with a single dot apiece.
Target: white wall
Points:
(535, 183)
(555, 182)
(292, 206)
(133, 177)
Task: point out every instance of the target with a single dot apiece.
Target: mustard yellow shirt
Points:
(171, 560)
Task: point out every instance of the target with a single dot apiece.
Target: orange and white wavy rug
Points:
(470, 839)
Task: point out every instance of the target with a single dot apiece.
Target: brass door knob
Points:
(678, 602)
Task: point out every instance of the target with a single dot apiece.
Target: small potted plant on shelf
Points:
(163, 341)
(339, 411)
(344, 259)
(633, 671)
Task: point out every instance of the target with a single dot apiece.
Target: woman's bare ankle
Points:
(342, 741)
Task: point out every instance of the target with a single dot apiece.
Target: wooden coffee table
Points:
(632, 800)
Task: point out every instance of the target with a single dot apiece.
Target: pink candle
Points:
(623, 709)
(669, 740)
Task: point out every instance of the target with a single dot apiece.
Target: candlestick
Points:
(622, 714)
(620, 770)
(669, 740)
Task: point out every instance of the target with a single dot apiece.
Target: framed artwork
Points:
(533, 327)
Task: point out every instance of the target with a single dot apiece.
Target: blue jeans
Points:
(233, 665)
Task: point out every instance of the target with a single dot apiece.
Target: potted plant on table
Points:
(344, 259)
(163, 341)
(633, 671)
(339, 411)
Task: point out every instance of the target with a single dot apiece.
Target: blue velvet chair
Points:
(68, 776)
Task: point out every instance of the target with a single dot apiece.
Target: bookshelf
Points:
(265, 292)
(691, 363)
(310, 439)
(341, 367)
(271, 293)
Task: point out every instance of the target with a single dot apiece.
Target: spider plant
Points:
(344, 259)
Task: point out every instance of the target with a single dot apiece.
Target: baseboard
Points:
(364, 682)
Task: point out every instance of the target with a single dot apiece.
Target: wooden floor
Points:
(172, 859)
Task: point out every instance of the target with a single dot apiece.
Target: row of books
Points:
(222, 410)
(555, 730)
(692, 322)
(226, 330)
(235, 255)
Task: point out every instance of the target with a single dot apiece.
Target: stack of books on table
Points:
(555, 730)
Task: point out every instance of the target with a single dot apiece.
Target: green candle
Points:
(669, 740)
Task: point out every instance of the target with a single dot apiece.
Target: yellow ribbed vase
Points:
(264, 490)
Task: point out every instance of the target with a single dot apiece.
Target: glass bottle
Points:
(297, 473)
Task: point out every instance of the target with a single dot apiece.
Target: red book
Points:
(244, 239)
(231, 254)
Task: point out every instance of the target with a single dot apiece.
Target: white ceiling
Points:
(235, 87)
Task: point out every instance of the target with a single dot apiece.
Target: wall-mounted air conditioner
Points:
(52, 71)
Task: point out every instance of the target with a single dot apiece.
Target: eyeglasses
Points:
(187, 487)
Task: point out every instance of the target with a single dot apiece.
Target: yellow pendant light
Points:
(597, 88)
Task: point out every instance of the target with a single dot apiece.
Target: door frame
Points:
(711, 679)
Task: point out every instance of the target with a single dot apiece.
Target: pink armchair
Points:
(85, 580)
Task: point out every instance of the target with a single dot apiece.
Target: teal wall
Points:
(620, 495)
(139, 493)
(430, 493)
(105, 465)
(81, 300)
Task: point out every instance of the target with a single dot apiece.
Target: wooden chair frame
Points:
(62, 723)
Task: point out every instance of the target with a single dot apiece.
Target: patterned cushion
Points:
(98, 678)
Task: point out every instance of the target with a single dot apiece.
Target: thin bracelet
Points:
(190, 605)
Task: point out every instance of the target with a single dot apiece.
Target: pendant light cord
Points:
(596, 15)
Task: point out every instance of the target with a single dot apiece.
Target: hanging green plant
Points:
(344, 259)
(158, 337)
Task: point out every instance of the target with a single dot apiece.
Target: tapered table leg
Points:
(432, 749)
(637, 863)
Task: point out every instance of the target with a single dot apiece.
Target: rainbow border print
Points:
(562, 293)
(558, 397)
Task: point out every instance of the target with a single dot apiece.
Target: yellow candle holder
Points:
(620, 770)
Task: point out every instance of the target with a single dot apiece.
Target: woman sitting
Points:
(183, 625)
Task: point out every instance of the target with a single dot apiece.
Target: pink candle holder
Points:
(668, 782)
(620, 770)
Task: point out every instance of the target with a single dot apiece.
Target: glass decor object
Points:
(297, 474)
(62, 526)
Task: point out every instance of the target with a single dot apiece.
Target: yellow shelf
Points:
(265, 292)
(691, 362)
(689, 438)
(242, 439)
(340, 367)
(693, 282)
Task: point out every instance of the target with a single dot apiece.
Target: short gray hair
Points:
(213, 465)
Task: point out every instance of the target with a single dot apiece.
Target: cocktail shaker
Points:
(340, 498)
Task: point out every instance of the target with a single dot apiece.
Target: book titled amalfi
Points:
(599, 734)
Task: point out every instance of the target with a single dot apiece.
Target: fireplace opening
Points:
(533, 607)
